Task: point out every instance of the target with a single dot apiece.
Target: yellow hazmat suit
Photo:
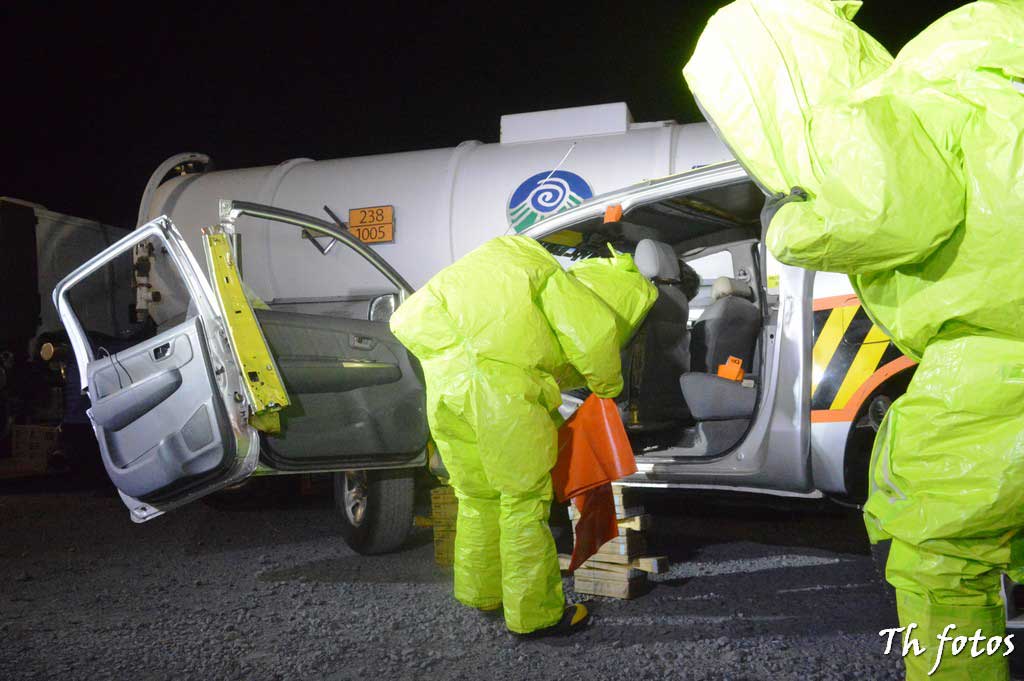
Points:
(915, 188)
(499, 334)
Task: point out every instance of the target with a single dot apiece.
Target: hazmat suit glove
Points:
(774, 202)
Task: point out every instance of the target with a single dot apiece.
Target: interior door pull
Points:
(128, 404)
(362, 342)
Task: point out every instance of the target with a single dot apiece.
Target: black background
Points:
(95, 97)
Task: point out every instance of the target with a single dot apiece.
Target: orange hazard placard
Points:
(372, 225)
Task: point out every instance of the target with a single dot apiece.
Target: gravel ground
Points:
(269, 591)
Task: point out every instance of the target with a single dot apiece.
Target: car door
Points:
(356, 395)
(774, 454)
(170, 411)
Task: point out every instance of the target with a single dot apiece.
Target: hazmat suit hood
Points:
(759, 97)
(621, 286)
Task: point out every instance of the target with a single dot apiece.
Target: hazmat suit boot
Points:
(499, 334)
(575, 619)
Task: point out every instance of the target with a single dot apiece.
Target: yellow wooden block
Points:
(629, 588)
(618, 563)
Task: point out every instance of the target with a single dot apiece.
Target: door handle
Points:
(362, 342)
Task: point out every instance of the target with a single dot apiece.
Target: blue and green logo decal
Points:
(545, 194)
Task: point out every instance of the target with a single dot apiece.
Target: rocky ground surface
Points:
(264, 588)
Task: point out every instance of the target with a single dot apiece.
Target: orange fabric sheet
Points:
(593, 451)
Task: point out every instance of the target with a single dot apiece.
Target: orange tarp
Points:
(593, 450)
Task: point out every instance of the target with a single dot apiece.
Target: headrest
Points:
(726, 286)
(656, 260)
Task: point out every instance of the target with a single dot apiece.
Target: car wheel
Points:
(376, 508)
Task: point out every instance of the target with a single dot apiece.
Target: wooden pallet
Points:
(651, 564)
(625, 589)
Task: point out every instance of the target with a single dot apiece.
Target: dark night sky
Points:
(96, 98)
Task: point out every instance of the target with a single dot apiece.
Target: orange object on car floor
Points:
(593, 451)
(732, 369)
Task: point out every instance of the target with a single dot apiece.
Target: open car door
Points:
(356, 399)
(225, 390)
(171, 413)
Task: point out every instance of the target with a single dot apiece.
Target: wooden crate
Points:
(444, 508)
(31, 447)
(619, 569)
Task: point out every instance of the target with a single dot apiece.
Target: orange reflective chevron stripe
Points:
(864, 364)
(851, 357)
(826, 343)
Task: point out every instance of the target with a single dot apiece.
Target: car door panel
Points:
(356, 397)
(159, 422)
(127, 405)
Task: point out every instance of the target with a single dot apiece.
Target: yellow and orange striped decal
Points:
(851, 356)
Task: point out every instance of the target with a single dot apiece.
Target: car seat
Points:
(664, 353)
(728, 327)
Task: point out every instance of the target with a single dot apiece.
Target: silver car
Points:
(172, 413)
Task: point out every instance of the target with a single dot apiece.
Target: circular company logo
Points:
(545, 194)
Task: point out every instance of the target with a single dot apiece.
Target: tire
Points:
(376, 508)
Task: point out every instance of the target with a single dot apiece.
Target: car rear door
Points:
(170, 411)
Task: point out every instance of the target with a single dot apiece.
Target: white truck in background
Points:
(428, 207)
(39, 248)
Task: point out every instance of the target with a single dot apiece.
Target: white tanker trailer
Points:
(421, 210)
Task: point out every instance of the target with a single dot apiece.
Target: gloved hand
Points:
(776, 201)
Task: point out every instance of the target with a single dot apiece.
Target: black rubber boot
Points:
(492, 613)
(575, 619)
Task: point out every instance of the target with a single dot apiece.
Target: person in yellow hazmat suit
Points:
(499, 334)
(911, 180)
